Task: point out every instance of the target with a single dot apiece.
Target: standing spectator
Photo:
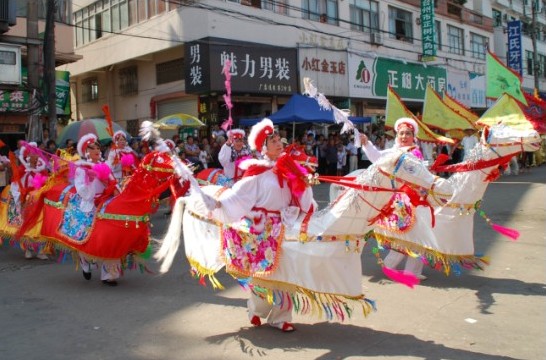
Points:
(331, 156)
(45, 136)
(203, 156)
(341, 159)
(310, 144)
(389, 139)
(217, 132)
(352, 150)
(51, 147)
(468, 142)
(191, 149)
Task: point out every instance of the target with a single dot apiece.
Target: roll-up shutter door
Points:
(166, 108)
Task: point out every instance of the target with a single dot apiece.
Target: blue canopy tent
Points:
(303, 109)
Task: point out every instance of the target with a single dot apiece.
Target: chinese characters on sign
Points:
(371, 77)
(254, 68)
(514, 45)
(14, 101)
(427, 30)
(323, 65)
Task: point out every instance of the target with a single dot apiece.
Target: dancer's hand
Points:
(363, 139)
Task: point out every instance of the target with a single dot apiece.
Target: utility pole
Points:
(536, 65)
(34, 71)
(49, 68)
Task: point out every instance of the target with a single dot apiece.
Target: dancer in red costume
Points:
(34, 174)
(90, 183)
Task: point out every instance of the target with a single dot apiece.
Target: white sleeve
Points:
(224, 156)
(83, 187)
(307, 201)
(111, 157)
(238, 201)
(371, 151)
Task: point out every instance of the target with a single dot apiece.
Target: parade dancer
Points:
(256, 208)
(406, 129)
(232, 153)
(34, 170)
(122, 159)
(92, 182)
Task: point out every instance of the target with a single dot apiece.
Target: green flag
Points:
(501, 79)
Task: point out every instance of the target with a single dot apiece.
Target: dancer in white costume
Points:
(406, 129)
(319, 270)
(449, 246)
(258, 206)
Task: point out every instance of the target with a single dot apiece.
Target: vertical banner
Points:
(62, 89)
(427, 30)
(514, 46)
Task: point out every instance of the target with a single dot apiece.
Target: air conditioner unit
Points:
(376, 38)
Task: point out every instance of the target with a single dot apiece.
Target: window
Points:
(497, 18)
(277, 6)
(542, 64)
(90, 90)
(529, 57)
(364, 15)
(128, 81)
(132, 127)
(320, 10)
(400, 24)
(169, 71)
(478, 44)
(438, 35)
(455, 40)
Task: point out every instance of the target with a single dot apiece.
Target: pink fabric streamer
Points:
(402, 277)
(127, 160)
(102, 170)
(510, 233)
(226, 125)
(229, 104)
(38, 181)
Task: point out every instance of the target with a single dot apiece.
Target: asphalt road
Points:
(48, 311)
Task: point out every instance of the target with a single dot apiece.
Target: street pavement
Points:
(50, 312)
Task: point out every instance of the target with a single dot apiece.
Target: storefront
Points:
(261, 78)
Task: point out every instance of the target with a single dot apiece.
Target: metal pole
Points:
(536, 65)
(49, 68)
(34, 131)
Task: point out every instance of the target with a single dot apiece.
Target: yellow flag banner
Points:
(437, 115)
(501, 79)
(396, 110)
(460, 108)
(508, 111)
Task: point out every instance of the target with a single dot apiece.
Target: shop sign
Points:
(327, 70)
(477, 91)
(514, 46)
(458, 86)
(255, 68)
(427, 30)
(370, 77)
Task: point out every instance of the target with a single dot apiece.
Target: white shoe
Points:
(42, 257)
(422, 277)
(28, 254)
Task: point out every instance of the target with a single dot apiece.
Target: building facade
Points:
(150, 58)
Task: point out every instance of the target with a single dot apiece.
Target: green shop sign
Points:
(409, 80)
(20, 100)
(370, 76)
